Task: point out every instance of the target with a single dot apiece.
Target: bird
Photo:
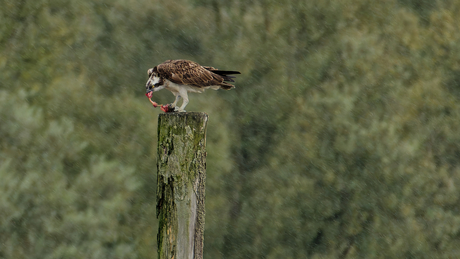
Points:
(182, 76)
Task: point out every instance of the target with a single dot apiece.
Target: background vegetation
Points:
(341, 139)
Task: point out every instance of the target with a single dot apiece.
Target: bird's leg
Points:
(184, 101)
(175, 101)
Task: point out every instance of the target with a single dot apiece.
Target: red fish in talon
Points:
(149, 95)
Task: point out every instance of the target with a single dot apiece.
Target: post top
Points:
(184, 114)
(194, 120)
(178, 116)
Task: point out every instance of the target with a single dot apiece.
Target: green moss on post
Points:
(181, 184)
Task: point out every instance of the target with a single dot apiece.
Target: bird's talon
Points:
(166, 108)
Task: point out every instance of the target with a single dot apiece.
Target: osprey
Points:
(184, 76)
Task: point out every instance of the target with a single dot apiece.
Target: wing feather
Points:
(191, 73)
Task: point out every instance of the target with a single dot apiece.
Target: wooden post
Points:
(181, 184)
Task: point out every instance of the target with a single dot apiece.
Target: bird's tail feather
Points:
(225, 74)
(228, 78)
(226, 86)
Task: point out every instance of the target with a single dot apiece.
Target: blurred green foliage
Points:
(341, 139)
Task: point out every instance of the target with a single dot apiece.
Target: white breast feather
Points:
(173, 87)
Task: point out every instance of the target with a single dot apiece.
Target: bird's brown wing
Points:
(189, 73)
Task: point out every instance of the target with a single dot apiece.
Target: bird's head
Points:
(155, 82)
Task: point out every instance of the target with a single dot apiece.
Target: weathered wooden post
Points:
(181, 184)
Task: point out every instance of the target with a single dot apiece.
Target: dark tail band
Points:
(224, 73)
